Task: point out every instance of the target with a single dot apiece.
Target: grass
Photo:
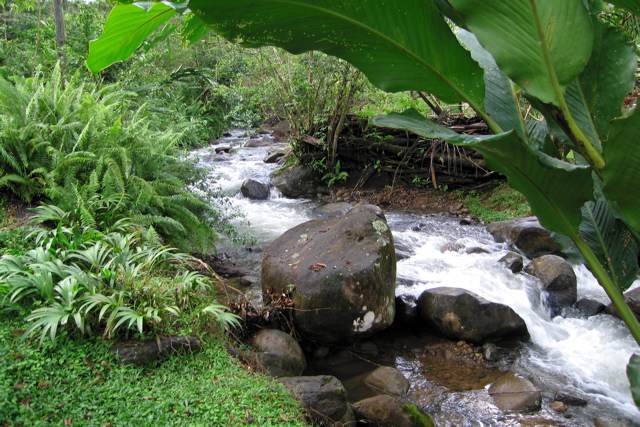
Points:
(78, 382)
(501, 204)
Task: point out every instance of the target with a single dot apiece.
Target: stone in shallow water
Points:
(514, 393)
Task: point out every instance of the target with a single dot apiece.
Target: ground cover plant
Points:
(78, 382)
(575, 167)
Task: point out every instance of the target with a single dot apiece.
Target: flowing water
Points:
(584, 357)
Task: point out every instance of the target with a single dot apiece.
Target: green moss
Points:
(419, 417)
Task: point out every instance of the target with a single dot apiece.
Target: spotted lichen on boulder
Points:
(340, 272)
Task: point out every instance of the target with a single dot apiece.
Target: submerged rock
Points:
(459, 314)
(513, 393)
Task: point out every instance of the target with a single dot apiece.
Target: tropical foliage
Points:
(575, 167)
(114, 281)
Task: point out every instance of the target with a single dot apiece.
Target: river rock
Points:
(277, 342)
(255, 190)
(273, 157)
(388, 380)
(276, 365)
(632, 298)
(252, 143)
(282, 130)
(295, 181)
(513, 262)
(390, 411)
(139, 353)
(459, 314)
(589, 307)
(514, 393)
(324, 396)
(558, 281)
(609, 422)
(340, 272)
(526, 234)
(333, 209)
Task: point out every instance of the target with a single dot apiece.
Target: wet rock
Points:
(569, 399)
(527, 235)
(222, 149)
(460, 314)
(279, 343)
(388, 380)
(333, 209)
(452, 247)
(558, 281)
(343, 270)
(559, 407)
(242, 282)
(230, 271)
(295, 181)
(324, 396)
(476, 250)
(388, 411)
(513, 393)
(589, 307)
(255, 190)
(252, 143)
(513, 262)
(632, 298)
(139, 353)
(273, 157)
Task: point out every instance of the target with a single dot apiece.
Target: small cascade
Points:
(585, 357)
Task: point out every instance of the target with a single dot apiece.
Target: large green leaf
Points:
(400, 46)
(126, 28)
(612, 241)
(556, 191)
(633, 373)
(595, 98)
(542, 45)
(501, 99)
(621, 175)
(632, 6)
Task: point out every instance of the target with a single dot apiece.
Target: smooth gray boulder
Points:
(255, 190)
(459, 314)
(295, 181)
(527, 235)
(340, 273)
(514, 393)
(557, 280)
(388, 380)
(280, 343)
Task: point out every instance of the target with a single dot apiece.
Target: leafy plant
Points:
(110, 281)
(572, 68)
(336, 175)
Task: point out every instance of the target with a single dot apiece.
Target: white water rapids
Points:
(584, 357)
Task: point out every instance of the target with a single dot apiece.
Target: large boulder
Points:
(295, 181)
(527, 235)
(340, 272)
(255, 190)
(557, 280)
(514, 393)
(632, 298)
(389, 411)
(459, 314)
(324, 396)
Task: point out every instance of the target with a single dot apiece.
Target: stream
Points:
(583, 357)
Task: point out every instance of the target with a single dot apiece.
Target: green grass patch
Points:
(78, 382)
(501, 204)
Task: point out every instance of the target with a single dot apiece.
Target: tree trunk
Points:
(58, 16)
